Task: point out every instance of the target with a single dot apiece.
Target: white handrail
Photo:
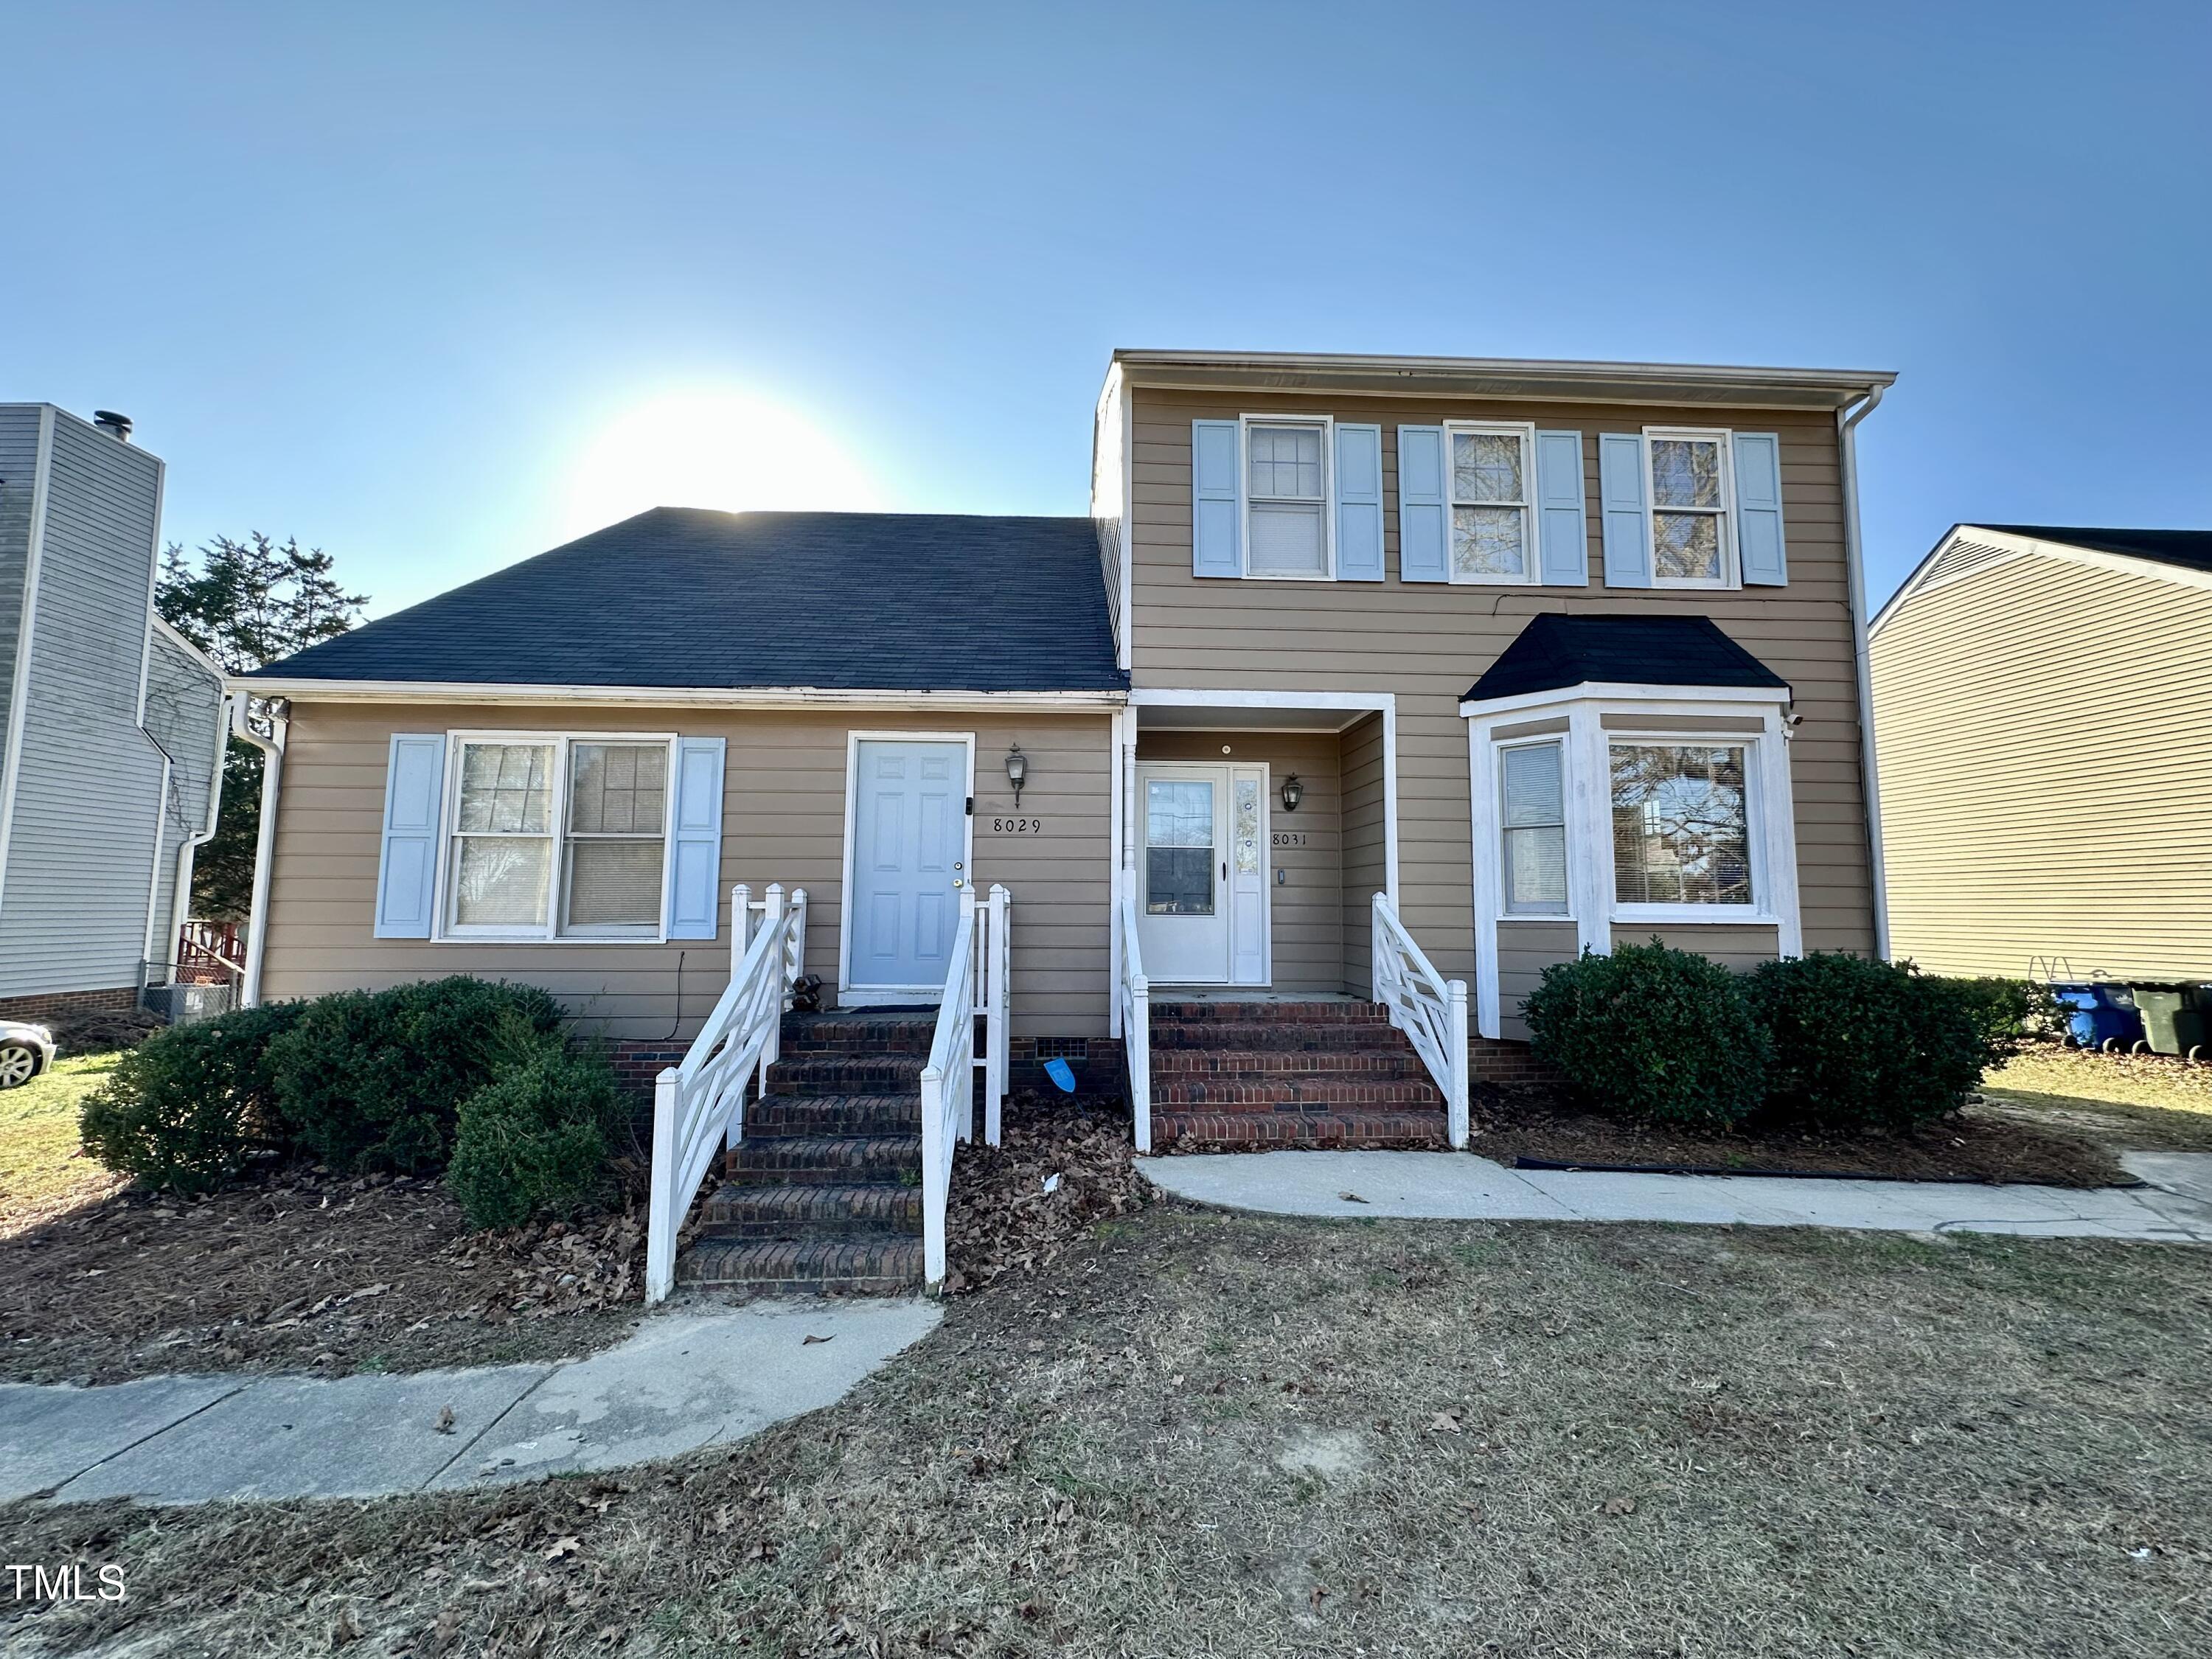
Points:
(698, 1106)
(948, 1088)
(1132, 1009)
(995, 991)
(1430, 1009)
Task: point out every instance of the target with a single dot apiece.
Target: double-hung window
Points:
(1286, 499)
(1532, 823)
(1491, 479)
(557, 836)
(1692, 539)
(1681, 824)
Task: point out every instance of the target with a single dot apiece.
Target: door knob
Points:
(955, 881)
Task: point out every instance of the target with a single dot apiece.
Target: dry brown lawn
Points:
(2150, 1102)
(1193, 1434)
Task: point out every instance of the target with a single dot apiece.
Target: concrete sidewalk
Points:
(685, 1379)
(1458, 1186)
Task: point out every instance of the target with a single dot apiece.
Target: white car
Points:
(25, 1051)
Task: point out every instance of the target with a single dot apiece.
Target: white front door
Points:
(1202, 873)
(909, 862)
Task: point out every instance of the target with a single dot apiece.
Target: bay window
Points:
(1532, 827)
(557, 836)
(1681, 824)
(1490, 479)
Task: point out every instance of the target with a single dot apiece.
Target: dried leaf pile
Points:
(1007, 1211)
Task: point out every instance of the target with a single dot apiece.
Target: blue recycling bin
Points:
(2099, 1013)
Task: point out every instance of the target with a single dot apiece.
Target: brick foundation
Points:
(63, 1006)
(1495, 1061)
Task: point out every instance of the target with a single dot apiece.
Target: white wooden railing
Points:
(698, 1107)
(1430, 1009)
(1132, 1015)
(975, 983)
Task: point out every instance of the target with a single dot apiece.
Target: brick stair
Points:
(1286, 1074)
(824, 1192)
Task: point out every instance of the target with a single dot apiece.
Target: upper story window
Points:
(1286, 499)
(1490, 476)
(1692, 543)
(1681, 824)
(558, 837)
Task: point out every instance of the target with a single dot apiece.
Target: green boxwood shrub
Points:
(1650, 1032)
(185, 1108)
(1860, 1044)
(534, 1142)
(374, 1080)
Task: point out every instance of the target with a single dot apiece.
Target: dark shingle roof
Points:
(681, 597)
(2191, 550)
(1553, 652)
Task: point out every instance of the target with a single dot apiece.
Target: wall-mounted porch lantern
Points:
(1293, 793)
(1017, 771)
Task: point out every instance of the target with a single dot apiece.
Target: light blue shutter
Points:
(1358, 503)
(1759, 508)
(1621, 497)
(695, 886)
(407, 864)
(1217, 500)
(1562, 533)
(1421, 556)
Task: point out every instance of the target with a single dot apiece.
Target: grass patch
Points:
(42, 1170)
(1574, 1442)
(2148, 1103)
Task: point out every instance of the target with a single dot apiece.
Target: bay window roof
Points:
(1554, 653)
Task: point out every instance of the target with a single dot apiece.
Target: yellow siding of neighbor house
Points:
(2044, 731)
(1427, 642)
(782, 821)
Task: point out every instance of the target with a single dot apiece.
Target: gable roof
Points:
(690, 599)
(2189, 550)
(1554, 652)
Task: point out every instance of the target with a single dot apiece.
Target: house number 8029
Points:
(1018, 826)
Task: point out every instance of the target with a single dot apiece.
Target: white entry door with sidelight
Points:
(906, 861)
(1202, 873)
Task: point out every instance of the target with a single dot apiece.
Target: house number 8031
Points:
(1018, 826)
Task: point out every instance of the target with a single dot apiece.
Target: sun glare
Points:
(720, 449)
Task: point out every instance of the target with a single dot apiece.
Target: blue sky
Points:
(382, 277)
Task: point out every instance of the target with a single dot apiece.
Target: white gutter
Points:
(1854, 559)
(273, 779)
(793, 696)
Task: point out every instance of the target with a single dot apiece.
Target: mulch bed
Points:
(1978, 1144)
(1001, 1218)
(301, 1271)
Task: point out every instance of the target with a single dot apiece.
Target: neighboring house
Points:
(1556, 654)
(2044, 700)
(114, 727)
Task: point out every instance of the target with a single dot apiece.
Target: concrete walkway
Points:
(685, 1379)
(2176, 1208)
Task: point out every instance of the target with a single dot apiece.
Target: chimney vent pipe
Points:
(116, 427)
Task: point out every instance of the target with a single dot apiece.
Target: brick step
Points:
(760, 1161)
(873, 1267)
(1269, 1092)
(857, 1030)
(1378, 1064)
(1324, 1130)
(1342, 1037)
(776, 1117)
(1269, 1013)
(795, 1209)
(848, 1074)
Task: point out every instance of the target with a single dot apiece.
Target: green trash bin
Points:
(2172, 1020)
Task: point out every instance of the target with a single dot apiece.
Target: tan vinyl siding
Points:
(1366, 856)
(1428, 641)
(2045, 737)
(783, 820)
(1739, 945)
(1525, 949)
(1306, 911)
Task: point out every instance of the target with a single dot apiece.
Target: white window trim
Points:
(1731, 576)
(1324, 424)
(1593, 908)
(1500, 747)
(445, 931)
(1531, 558)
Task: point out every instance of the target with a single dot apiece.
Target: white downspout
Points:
(1854, 559)
(180, 897)
(273, 779)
